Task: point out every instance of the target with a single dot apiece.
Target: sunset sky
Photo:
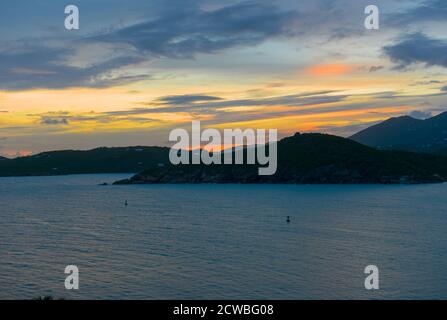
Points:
(137, 69)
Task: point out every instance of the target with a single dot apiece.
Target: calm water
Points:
(220, 241)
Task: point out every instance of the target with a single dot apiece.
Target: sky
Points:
(137, 69)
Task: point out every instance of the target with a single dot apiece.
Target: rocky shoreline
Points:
(241, 175)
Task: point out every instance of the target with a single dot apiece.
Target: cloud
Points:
(187, 32)
(64, 118)
(227, 111)
(179, 31)
(444, 89)
(236, 110)
(167, 31)
(430, 10)
(329, 69)
(375, 68)
(294, 100)
(187, 99)
(196, 105)
(30, 65)
(425, 83)
(420, 114)
(54, 121)
(418, 48)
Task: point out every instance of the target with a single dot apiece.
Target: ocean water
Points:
(220, 241)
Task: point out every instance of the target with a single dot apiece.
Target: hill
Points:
(407, 133)
(313, 158)
(100, 160)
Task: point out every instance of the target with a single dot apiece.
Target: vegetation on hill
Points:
(101, 160)
(313, 158)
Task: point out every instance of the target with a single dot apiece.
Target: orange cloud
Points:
(329, 69)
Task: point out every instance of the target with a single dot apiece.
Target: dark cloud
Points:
(298, 108)
(424, 83)
(54, 121)
(444, 89)
(66, 117)
(184, 29)
(429, 10)
(213, 107)
(187, 32)
(418, 48)
(375, 68)
(295, 100)
(204, 103)
(187, 99)
(27, 66)
(298, 104)
(182, 32)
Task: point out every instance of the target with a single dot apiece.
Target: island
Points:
(312, 159)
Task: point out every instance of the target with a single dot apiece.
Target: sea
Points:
(220, 241)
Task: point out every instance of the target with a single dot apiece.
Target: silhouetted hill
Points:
(101, 160)
(313, 158)
(442, 151)
(407, 133)
(303, 158)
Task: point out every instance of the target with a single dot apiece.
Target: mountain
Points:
(101, 160)
(313, 158)
(407, 133)
(3, 158)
